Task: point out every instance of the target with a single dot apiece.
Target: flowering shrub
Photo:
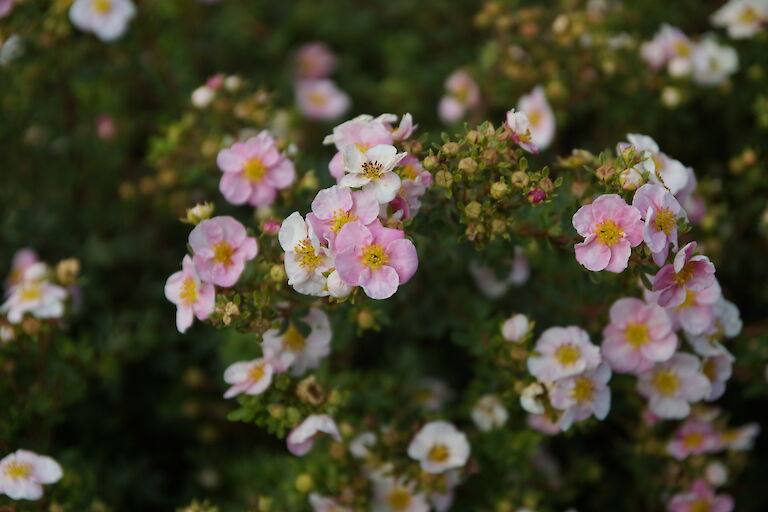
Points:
(504, 296)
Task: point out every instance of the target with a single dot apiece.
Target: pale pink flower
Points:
(686, 273)
(700, 498)
(741, 438)
(360, 446)
(489, 413)
(376, 258)
(610, 228)
(462, 94)
(325, 504)
(321, 99)
(667, 171)
(414, 182)
(660, 211)
(22, 260)
(531, 398)
(35, 295)
(107, 19)
(363, 132)
(515, 328)
(5, 7)
(670, 47)
(543, 423)
(562, 352)
(23, 473)
(302, 438)
(696, 314)
(336, 286)
(520, 126)
(397, 495)
(334, 207)
(439, 446)
(727, 324)
(254, 171)
(221, 248)
(432, 393)
(542, 120)
(742, 18)
(192, 297)
(694, 437)
(583, 395)
(716, 473)
(373, 170)
(443, 501)
(315, 60)
(713, 63)
(305, 258)
(673, 385)
(638, 336)
(718, 369)
(249, 377)
(292, 350)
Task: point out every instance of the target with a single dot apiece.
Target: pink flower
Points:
(363, 132)
(376, 258)
(334, 207)
(414, 182)
(699, 499)
(611, 228)
(292, 350)
(315, 60)
(686, 273)
(536, 107)
(192, 297)
(694, 437)
(696, 315)
(543, 423)
(107, 19)
(661, 211)
(582, 396)
(249, 377)
(742, 438)
(254, 171)
(638, 336)
(306, 260)
(221, 247)
(302, 438)
(321, 100)
(671, 47)
(515, 328)
(23, 473)
(562, 352)
(373, 170)
(718, 369)
(673, 385)
(520, 126)
(22, 260)
(462, 94)
(397, 495)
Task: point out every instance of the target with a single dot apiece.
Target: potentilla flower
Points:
(192, 297)
(520, 126)
(107, 19)
(583, 395)
(661, 212)
(439, 446)
(315, 60)
(364, 132)
(531, 398)
(325, 504)
(23, 473)
(673, 385)
(360, 446)
(397, 495)
(336, 286)
(376, 258)
(334, 207)
(610, 228)
(694, 437)
(431, 394)
(443, 501)
(740, 439)
(254, 171)
(638, 336)
(637, 174)
(542, 120)
(515, 328)
(742, 18)
(489, 413)
(696, 314)
(671, 47)
(321, 99)
(666, 170)
(249, 377)
(373, 170)
(727, 324)
(305, 259)
(302, 438)
(293, 350)
(716, 473)
(718, 369)
(414, 182)
(700, 498)
(35, 295)
(688, 273)
(562, 352)
(543, 423)
(713, 63)
(462, 94)
(22, 260)
(221, 247)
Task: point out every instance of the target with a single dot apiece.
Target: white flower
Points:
(439, 446)
(562, 352)
(107, 19)
(373, 170)
(742, 18)
(530, 399)
(489, 413)
(716, 474)
(520, 126)
(358, 447)
(293, 350)
(673, 385)
(515, 328)
(391, 495)
(664, 170)
(305, 259)
(34, 295)
(337, 288)
(542, 120)
(202, 96)
(249, 377)
(23, 473)
(11, 49)
(713, 63)
(301, 439)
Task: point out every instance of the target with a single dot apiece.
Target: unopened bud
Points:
(304, 483)
(604, 172)
(450, 148)
(519, 179)
(473, 137)
(277, 273)
(468, 165)
(443, 179)
(498, 227)
(536, 196)
(473, 210)
(199, 213)
(499, 190)
(365, 319)
(546, 185)
(310, 391)
(431, 162)
(67, 271)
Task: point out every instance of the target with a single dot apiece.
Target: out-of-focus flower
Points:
(489, 413)
(716, 473)
(359, 446)
(673, 385)
(315, 60)
(249, 377)
(397, 495)
(563, 352)
(713, 63)
(325, 504)
(666, 170)
(202, 96)
(543, 423)
(582, 396)
(305, 259)
(542, 120)
(670, 47)
(740, 439)
(696, 314)
(106, 128)
(686, 273)
(439, 446)
(531, 398)
(302, 438)
(192, 297)
(520, 126)
(694, 437)
(515, 328)
(718, 369)
(293, 350)
(462, 94)
(660, 211)
(741, 18)
(34, 294)
(373, 170)
(493, 287)
(321, 99)
(431, 393)
(221, 248)
(107, 19)
(22, 260)
(727, 324)
(23, 473)
(5, 7)
(699, 498)
(199, 213)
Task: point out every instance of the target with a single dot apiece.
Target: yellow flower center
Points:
(254, 170)
(583, 389)
(535, 117)
(701, 506)
(666, 382)
(18, 470)
(340, 217)
(608, 233)
(567, 354)
(685, 274)
(693, 440)
(461, 94)
(374, 256)
(709, 369)
(665, 220)
(439, 453)
(256, 372)
(188, 294)
(293, 339)
(31, 291)
(317, 99)
(730, 436)
(362, 147)
(658, 162)
(371, 170)
(690, 300)
(526, 137)
(399, 498)
(308, 259)
(636, 334)
(409, 172)
(222, 253)
(102, 6)
(748, 15)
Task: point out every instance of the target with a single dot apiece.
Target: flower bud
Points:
(277, 273)
(515, 328)
(499, 189)
(467, 165)
(365, 319)
(473, 210)
(529, 398)
(304, 483)
(473, 136)
(276, 411)
(519, 179)
(450, 148)
(271, 227)
(443, 179)
(604, 172)
(310, 391)
(546, 185)
(536, 196)
(431, 162)
(498, 226)
(67, 271)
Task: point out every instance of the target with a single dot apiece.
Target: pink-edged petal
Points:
(403, 258)
(593, 255)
